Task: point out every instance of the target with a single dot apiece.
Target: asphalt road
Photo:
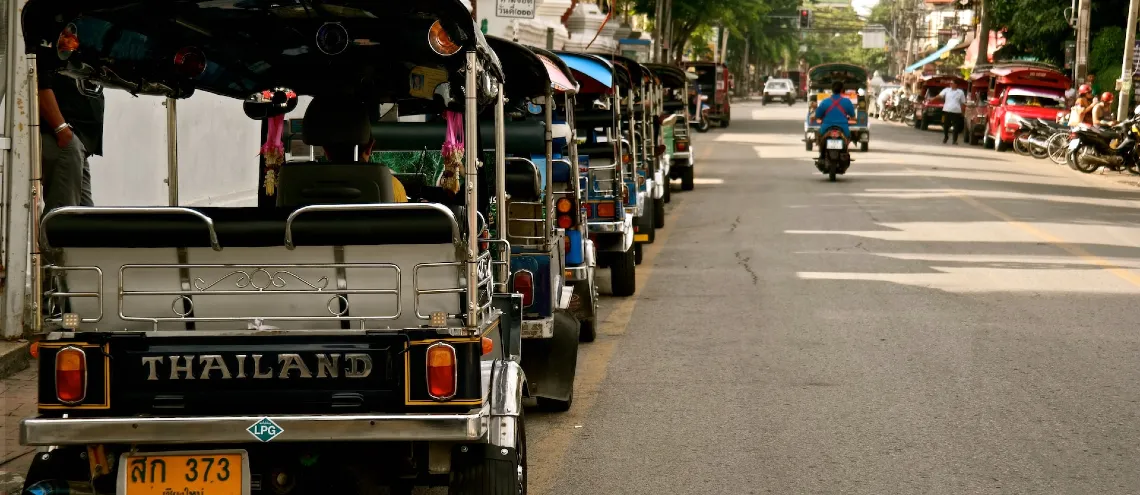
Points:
(941, 320)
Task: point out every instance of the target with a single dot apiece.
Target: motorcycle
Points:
(1033, 137)
(835, 157)
(1114, 148)
(907, 110)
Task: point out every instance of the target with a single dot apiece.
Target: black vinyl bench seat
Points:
(247, 227)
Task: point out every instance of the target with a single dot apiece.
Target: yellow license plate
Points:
(641, 238)
(184, 473)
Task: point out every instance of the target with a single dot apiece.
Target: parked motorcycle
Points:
(1033, 137)
(835, 158)
(1114, 148)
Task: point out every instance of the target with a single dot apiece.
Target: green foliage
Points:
(835, 39)
(1106, 52)
(1039, 28)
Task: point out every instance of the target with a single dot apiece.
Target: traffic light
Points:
(805, 18)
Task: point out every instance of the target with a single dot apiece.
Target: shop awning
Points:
(933, 56)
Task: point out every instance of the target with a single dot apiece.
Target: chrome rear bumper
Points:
(470, 426)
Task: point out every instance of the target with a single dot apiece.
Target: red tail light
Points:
(190, 62)
(682, 146)
(834, 133)
(523, 283)
(606, 210)
(441, 371)
(70, 375)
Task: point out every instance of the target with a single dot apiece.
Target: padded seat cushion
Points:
(249, 227)
(308, 183)
(335, 120)
(523, 181)
(523, 138)
(595, 151)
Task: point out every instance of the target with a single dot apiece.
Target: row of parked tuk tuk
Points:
(421, 264)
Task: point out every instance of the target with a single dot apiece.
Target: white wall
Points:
(218, 152)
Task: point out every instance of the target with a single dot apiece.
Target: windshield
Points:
(706, 75)
(1027, 98)
(777, 85)
(932, 91)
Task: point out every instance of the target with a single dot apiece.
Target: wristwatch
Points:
(61, 127)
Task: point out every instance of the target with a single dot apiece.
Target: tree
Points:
(1039, 28)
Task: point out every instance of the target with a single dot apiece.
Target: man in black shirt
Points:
(71, 124)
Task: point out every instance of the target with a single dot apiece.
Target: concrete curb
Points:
(14, 357)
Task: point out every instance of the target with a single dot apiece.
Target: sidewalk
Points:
(17, 401)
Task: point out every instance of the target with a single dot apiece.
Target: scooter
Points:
(701, 120)
(834, 158)
(1091, 148)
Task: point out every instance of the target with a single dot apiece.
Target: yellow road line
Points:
(546, 456)
(1064, 245)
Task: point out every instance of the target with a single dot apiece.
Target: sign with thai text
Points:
(517, 9)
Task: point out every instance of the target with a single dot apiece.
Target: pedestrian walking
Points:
(953, 98)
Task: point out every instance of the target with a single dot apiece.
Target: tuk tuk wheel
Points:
(489, 476)
(638, 253)
(724, 122)
(687, 179)
(668, 190)
(623, 273)
(864, 145)
(659, 213)
(807, 145)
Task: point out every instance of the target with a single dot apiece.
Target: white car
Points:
(780, 89)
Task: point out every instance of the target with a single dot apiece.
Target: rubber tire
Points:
(623, 274)
(918, 124)
(864, 145)
(492, 477)
(702, 126)
(807, 145)
(724, 122)
(1075, 164)
(588, 331)
(668, 196)
(968, 137)
(831, 175)
(659, 213)
(687, 179)
(638, 253)
(1020, 145)
(924, 124)
(1001, 146)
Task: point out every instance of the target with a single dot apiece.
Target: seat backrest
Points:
(309, 183)
(523, 137)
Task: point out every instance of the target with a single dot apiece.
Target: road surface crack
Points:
(744, 261)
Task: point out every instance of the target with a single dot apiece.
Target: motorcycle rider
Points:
(1102, 110)
(834, 112)
(1081, 113)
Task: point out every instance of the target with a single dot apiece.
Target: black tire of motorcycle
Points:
(831, 175)
(1075, 163)
(703, 126)
(1038, 152)
(1021, 144)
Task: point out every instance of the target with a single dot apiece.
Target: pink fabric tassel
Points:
(453, 147)
(274, 152)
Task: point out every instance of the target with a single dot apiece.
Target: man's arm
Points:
(50, 116)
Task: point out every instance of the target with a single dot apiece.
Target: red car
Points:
(1021, 91)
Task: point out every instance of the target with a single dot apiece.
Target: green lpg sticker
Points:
(265, 430)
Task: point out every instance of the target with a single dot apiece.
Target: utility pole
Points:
(983, 55)
(1084, 10)
(1125, 99)
(667, 32)
(658, 32)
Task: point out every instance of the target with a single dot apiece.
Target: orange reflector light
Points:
(564, 221)
(488, 345)
(34, 350)
(564, 205)
(626, 158)
(682, 146)
(606, 210)
(67, 42)
(441, 371)
(70, 375)
(440, 42)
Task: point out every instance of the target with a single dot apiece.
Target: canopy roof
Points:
(594, 73)
(822, 75)
(555, 67)
(252, 45)
(637, 72)
(525, 74)
(671, 76)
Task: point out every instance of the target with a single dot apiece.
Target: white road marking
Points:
(708, 181)
(1112, 235)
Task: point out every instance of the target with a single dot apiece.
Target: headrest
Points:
(335, 120)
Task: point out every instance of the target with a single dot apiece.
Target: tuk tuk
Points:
(581, 258)
(352, 334)
(597, 127)
(646, 200)
(675, 123)
(929, 109)
(536, 210)
(713, 79)
(977, 104)
(1022, 90)
(820, 79)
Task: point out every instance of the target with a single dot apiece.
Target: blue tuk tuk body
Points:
(820, 79)
(602, 175)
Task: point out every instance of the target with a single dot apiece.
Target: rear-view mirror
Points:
(270, 103)
(995, 101)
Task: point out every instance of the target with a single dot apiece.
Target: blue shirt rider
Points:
(835, 111)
